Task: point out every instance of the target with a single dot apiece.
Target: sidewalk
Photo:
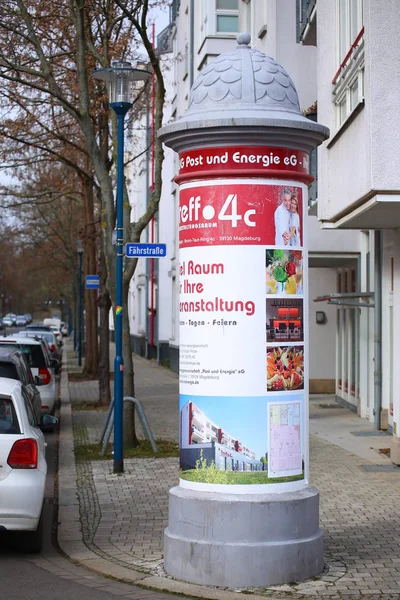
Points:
(114, 523)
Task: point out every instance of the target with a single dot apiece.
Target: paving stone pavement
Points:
(123, 516)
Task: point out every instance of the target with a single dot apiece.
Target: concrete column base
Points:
(395, 450)
(243, 540)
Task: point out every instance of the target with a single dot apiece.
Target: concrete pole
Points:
(377, 328)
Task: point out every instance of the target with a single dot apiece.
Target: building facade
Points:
(358, 191)
(286, 30)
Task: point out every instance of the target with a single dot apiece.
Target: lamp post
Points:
(79, 250)
(119, 78)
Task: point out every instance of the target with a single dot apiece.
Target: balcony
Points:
(197, 437)
(306, 17)
(197, 428)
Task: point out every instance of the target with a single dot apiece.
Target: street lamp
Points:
(79, 250)
(119, 78)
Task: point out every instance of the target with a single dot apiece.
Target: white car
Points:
(64, 329)
(40, 365)
(8, 321)
(23, 465)
(58, 334)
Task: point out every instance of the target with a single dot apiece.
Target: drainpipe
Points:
(191, 60)
(377, 328)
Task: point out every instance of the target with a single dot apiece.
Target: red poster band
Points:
(244, 161)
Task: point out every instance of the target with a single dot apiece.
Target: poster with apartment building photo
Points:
(225, 440)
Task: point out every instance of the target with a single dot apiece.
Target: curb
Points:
(69, 533)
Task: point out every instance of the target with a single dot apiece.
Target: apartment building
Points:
(200, 438)
(359, 191)
(199, 31)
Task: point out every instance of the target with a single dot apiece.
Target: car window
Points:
(8, 370)
(8, 418)
(33, 354)
(26, 371)
(49, 337)
(29, 410)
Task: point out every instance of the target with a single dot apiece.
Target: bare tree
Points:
(48, 49)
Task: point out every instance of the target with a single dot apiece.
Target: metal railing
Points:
(109, 424)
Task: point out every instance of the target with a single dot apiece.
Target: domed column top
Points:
(243, 88)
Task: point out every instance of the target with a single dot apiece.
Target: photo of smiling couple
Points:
(287, 220)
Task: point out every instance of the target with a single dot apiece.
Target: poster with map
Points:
(285, 454)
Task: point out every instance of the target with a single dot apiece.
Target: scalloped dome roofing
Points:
(243, 80)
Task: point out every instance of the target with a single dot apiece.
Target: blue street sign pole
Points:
(120, 108)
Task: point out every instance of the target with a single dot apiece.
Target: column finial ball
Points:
(243, 39)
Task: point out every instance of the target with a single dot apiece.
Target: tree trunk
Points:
(91, 366)
(104, 354)
(130, 438)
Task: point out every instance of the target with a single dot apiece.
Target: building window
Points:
(350, 96)
(227, 16)
(349, 79)
(350, 20)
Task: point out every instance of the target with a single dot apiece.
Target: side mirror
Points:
(48, 423)
(38, 380)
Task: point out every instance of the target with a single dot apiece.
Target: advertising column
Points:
(243, 319)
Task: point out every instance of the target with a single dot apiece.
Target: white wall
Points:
(336, 241)
(382, 26)
(365, 157)
(344, 172)
(322, 337)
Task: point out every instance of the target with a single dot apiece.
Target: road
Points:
(50, 576)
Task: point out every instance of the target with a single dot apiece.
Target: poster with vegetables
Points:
(284, 271)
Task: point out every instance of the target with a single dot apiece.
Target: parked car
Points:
(14, 365)
(40, 365)
(28, 317)
(8, 321)
(38, 327)
(12, 316)
(58, 334)
(52, 321)
(64, 329)
(21, 321)
(23, 465)
(51, 344)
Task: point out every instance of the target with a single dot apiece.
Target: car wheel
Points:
(31, 542)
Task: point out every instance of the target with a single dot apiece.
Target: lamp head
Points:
(119, 78)
(79, 247)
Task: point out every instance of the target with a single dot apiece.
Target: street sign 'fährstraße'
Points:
(145, 250)
(92, 282)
